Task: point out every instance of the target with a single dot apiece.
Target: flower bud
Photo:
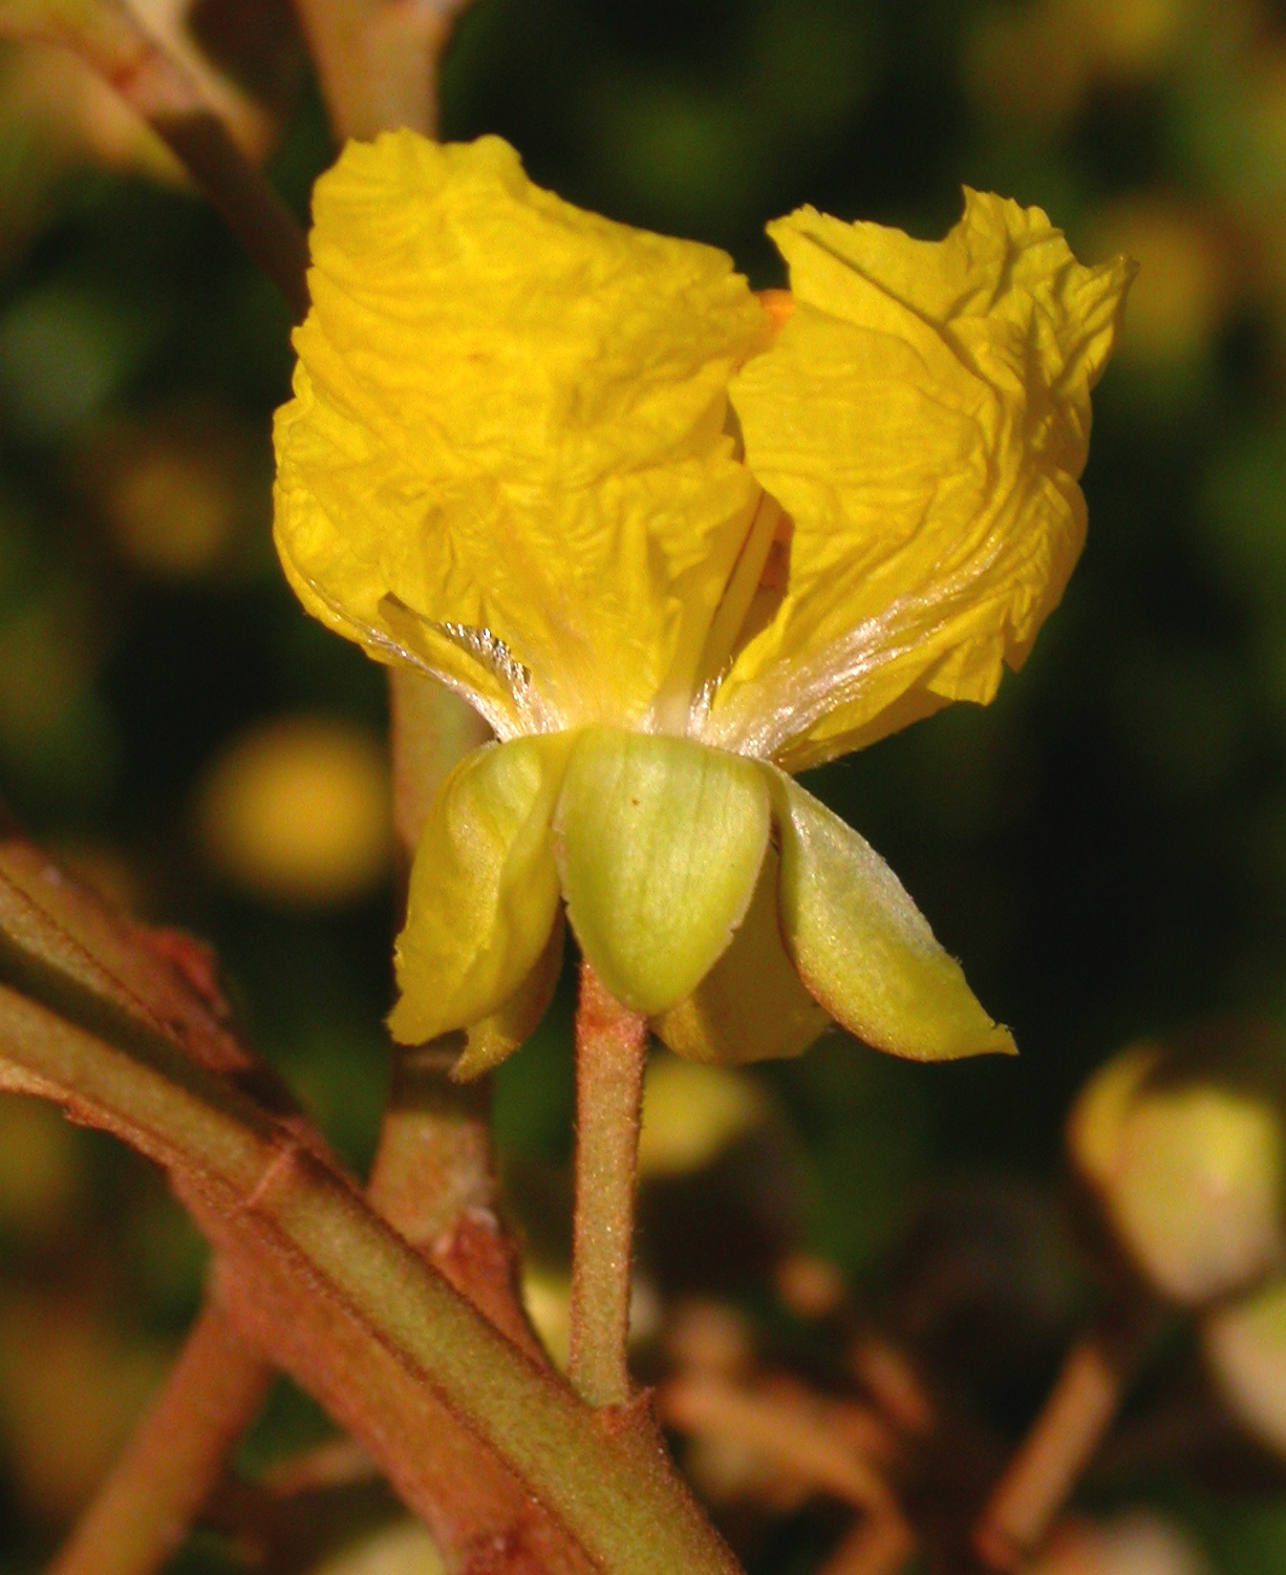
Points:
(1136, 1542)
(1245, 1346)
(1182, 1144)
(404, 1547)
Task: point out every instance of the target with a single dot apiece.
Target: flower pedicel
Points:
(675, 541)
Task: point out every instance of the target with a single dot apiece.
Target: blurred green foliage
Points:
(1105, 847)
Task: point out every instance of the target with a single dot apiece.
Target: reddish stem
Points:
(176, 1457)
(1080, 1408)
(611, 1046)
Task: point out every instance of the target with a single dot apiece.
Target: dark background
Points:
(1104, 847)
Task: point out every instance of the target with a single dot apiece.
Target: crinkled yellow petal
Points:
(484, 888)
(751, 1006)
(506, 458)
(923, 417)
(495, 1038)
(863, 949)
(659, 843)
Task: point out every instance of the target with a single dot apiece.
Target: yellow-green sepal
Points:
(484, 888)
(863, 949)
(659, 843)
(495, 1038)
(751, 1006)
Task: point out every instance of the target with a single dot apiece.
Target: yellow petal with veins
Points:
(506, 457)
(862, 947)
(484, 888)
(923, 417)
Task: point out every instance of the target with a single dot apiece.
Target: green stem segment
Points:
(611, 1046)
(176, 1457)
(301, 1230)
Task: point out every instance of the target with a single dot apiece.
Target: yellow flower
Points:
(674, 541)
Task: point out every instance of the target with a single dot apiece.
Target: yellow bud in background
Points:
(691, 1113)
(1198, 1192)
(1098, 1116)
(296, 810)
(1182, 1144)
(1135, 1542)
(404, 1548)
(1245, 1347)
(547, 1296)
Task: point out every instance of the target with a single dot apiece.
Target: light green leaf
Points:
(863, 948)
(484, 888)
(659, 845)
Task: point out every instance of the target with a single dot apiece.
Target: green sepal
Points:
(659, 843)
(863, 949)
(484, 888)
(495, 1038)
(751, 1006)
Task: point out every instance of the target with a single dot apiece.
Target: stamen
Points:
(790, 697)
(491, 651)
(493, 654)
(503, 722)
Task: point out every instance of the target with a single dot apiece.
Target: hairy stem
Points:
(611, 1046)
(176, 1457)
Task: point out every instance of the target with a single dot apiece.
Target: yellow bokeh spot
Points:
(692, 1112)
(297, 810)
(1038, 61)
(547, 1295)
(1131, 38)
(1184, 283)
(172, 514)
(70, 1391)
(1030, 63)
(404, 1548)
(41, 1172)
(176, 494)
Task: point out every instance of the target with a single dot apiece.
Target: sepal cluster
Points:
(711, 894)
